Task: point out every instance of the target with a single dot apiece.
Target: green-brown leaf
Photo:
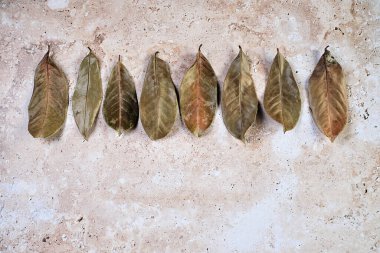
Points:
(282, 98)
(120, 107)
(88, 95)
(48, 105)
(158, 102)
(239, 99)
(198, 95)
(328, 96)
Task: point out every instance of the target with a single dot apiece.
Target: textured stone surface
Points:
(293, 192)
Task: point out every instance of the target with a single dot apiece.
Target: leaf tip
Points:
(199, 48)
(90, 49)
(154, 137)
(240, 50)
(85, 135)
(288, 128)
(197, 132)
(326, 48)
(278, 50)
(156, 53)
(119, 57)
(332, 139)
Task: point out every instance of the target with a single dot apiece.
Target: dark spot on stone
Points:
(99, 38)
(337, 28)
(366, 114)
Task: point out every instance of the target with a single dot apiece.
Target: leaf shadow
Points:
(259, 116)
(178, 102)
(218, 93)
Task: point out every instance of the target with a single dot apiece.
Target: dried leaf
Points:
(48, 105)
(87, 94)
(328, 96)
(198, 95)
(120, 107)
(282, 98)
(239, 99)
(158, 102)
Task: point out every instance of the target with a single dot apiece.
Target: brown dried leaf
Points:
(48, 105)
(88, 94)
(282, 99)
(158, 102)
(198, 95)
(120, 107)
(239, 99)
(328, 96)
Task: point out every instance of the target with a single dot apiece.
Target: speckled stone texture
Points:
(293, 192)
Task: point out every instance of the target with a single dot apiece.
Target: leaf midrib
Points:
(119, 93)
(280, 88)
(240, 105)
(87, 88)
(327, 96)
(47, 91)
(197, 90)
(158, 95)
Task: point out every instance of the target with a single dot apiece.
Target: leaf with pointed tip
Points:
(120, 107)
(239, 99)
(48, 105)
(328, 96)
(198, 95)
(158, 101)
(88, 95)
(282, 99)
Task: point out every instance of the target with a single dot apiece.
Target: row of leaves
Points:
(198, 97)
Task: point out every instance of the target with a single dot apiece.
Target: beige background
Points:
(293, 192)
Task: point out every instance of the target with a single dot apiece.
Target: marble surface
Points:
(293, 192)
